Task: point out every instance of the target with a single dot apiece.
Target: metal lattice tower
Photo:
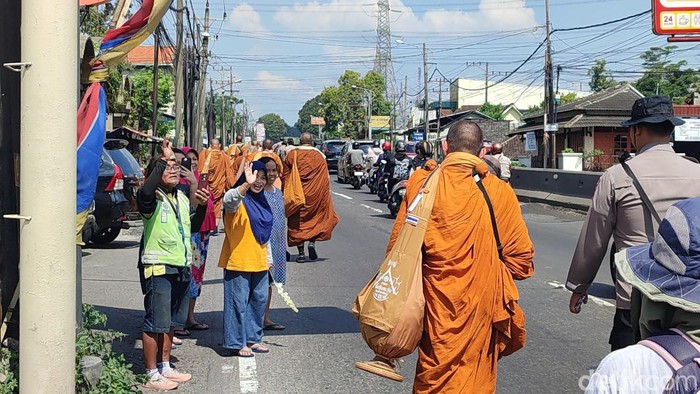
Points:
(382, 60)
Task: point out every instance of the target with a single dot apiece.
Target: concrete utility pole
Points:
(223, 119)
(425, 87)
(405, 101)
(47, 280)
(179, 74)
(202, 94)
(233, 103)
(120, 12)
(486, 83)
(549, 129)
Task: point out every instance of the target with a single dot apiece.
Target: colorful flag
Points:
(117, 43)
(92, 124)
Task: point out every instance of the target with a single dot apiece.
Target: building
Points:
(143, 55)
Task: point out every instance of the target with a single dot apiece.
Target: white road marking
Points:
(594, 299)
(248, 374)
(342, 195)
(371, 208)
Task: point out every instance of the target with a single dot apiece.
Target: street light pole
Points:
(425, 87)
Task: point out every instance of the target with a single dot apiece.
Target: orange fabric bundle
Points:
(469, 292)
(317, 219)
(219, 177)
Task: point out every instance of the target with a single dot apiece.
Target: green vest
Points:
(166, 240)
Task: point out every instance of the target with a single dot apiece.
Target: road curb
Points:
(576, 203)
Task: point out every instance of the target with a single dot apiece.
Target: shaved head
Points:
(306, 139)
(465, 136)
(239, 139)
(215, 143)
(496, 148)
(267, 144)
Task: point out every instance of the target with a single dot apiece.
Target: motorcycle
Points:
(358, 177)
(397, 195)
(373, 179)
(383, 188)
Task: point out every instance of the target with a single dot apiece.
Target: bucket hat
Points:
(668, 269)
(653, 109)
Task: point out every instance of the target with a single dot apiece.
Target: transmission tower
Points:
(382, 60)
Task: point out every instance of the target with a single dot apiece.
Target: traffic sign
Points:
(673, 17)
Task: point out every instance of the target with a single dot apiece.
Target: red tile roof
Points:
(143, 56)
(686, 110)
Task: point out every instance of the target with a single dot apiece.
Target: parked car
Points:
(131, 170)
(344, 160)
(110, 202)
(332, 149)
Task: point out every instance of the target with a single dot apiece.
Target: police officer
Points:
(617, 208)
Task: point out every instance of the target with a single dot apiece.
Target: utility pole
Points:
(154, 119)
(549, 129)
(201, 97)
(223, 119)
(179, 74)
(425, 87)
(486, 84)
(119, 13)
(439, 110)
(405, 101)
(47, 279)
(233, 104)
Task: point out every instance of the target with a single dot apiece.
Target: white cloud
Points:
(277, 82)
(244, 17)
(360, 15)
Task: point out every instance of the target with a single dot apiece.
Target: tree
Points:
(275, 126)
(493, 110)
(95, 20)
(141, 99)
(345, 108)
(564, 99)
(312, 107)
(661, 76)
(601, 79)
(228, 102)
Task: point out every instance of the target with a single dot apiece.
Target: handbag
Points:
(391, 306)
(294, 198)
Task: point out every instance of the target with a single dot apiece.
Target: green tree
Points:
(141, 99)
(275, 126)
(312, 107)
(226, 102)
(601, 79)
(564, 99)
(664, 77)
(493, 110)
(95, 20)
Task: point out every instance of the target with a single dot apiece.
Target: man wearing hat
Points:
(666, 273)
(618, 211)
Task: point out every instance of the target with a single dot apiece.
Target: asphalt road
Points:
(316, 353)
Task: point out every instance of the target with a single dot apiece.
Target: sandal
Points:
(177, 341)
(258, 348)
(274, 327)
(243, 353)
(182, 332)
(197, 327)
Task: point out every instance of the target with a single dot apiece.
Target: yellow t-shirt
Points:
(241, 251)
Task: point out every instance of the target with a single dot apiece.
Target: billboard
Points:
(317, 121)
(676, 17)
(689, 132)
(260, 132)
(381, 122)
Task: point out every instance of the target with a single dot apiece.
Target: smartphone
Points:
(203, 181)
(186, 163)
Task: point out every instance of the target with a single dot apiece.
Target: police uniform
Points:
(617, 211)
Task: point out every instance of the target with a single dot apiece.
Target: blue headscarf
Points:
(259, 211)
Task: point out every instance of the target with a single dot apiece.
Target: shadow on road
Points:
(114, 245)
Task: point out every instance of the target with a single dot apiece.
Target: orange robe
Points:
(316, 220)
(219, 178)
(470, 295)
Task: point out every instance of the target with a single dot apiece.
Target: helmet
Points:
(424, 148)
(387, 146)
(400, 147)
(375, 144)
(355, 145)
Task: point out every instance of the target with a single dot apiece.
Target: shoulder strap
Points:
(642, 194)
(499, 246)
(682, 355)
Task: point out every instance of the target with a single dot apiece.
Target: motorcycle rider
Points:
(424, 152)
(398, 166)
(357, 156)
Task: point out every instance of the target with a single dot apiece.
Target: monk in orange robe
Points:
(471, 313)
(316, 220)
(219, 176)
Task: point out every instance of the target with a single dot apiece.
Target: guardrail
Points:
(579, 184)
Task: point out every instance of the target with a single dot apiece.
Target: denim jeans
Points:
(166, 302)
(245, 297)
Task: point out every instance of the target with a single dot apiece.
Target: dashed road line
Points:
(342, 195)
(371, 208)
(248, 374)
(594, 299)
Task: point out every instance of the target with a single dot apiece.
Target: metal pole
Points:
(486, 84)
(180, 75)
(405, 101)
(154, 119)
(425, 87)
(202, 95)
(439, 111)
(549, 90)
(47, 281)
(223, 120)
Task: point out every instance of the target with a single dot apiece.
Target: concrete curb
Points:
(576, 203)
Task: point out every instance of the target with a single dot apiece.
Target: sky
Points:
(286, 52)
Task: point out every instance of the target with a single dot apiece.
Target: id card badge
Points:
(164, 214)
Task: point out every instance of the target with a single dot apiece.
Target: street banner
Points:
(381, 122)
(530, 142)
(92, 124)
(260, 132)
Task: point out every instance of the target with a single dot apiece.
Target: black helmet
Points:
(400, 147)
(355, 145)
(424, 148)
(375, 144)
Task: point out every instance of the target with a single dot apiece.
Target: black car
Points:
(331, 149)
(131, 170)
(110, 202)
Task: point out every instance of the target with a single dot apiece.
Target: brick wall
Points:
(604, 139)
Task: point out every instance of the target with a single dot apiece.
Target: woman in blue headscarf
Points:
(244, 258)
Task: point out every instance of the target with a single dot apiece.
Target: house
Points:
(494, 130)
(142, 56)
(469, 92)
(590, 124)
(512, 114)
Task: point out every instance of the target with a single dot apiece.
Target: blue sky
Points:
(287, 51)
